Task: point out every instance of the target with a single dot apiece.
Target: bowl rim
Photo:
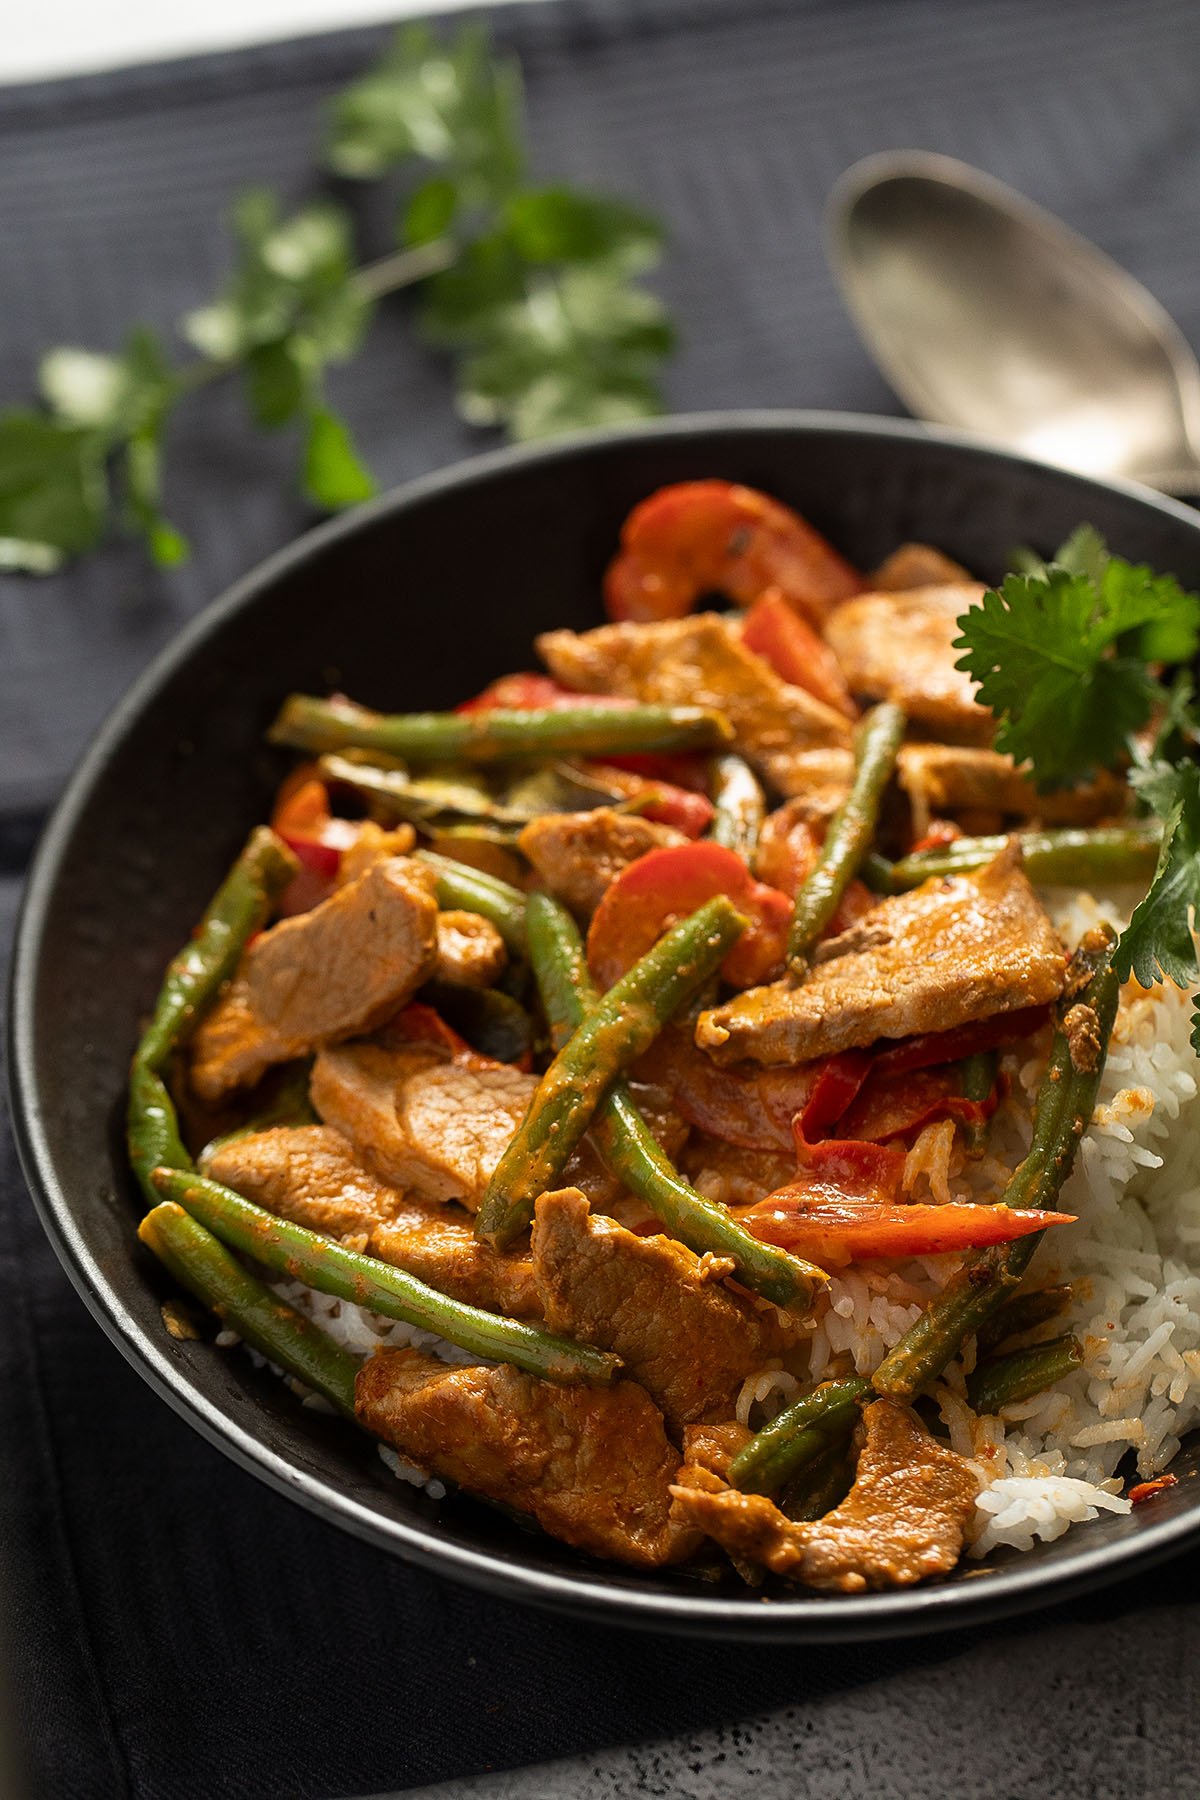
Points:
(991, 1593)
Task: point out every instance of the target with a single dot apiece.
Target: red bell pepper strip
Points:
(1146, 1490)
(900, 1105)
(798, 654)
(835, 1231)
(303, 819)
(837, 1086)
(665, 802)
(669, 884)
(417, 1023)
(955, 1045)
(682, 768)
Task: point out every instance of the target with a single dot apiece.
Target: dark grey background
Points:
(176, 1630)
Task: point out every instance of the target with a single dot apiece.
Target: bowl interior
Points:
(414, 603)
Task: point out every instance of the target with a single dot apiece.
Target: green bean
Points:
(1071, 856)
(850, 831)
(738, 802)
(246, 1305)
(821, 1485)
(333, 1269)
(459, 885)
(797, 1435)
(615, 1032)
(1024, 1312)
(626, 1142)
(1005, 1380)
(238, 909)
(152, 1130)
(589, 729)
(978, 1080)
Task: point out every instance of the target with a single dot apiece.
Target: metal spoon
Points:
(987, 313)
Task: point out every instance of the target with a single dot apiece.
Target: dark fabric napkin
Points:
(174, 1630)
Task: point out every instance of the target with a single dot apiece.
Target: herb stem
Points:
(403, 268)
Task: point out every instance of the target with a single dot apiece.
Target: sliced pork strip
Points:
(661, 1308)
(943, 779)
(954, 950)
(419, 1120)
(701, 661)
(902, 1521)
(310, 1175)
(900, 646)
(577, 855)
(328, 974)
(917, 566)
(592, 1465)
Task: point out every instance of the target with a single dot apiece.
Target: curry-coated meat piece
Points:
(957, 949)
(942, 779)
(420, 1120)
(592, 1465)
(663, 1309)
(310, 1175)
(577, 855)
(902, 1521)
(900, 646)
(328, 974)
(702, 661)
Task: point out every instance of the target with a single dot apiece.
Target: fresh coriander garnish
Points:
(533, 290)
(1069, 655)
(1065, 656)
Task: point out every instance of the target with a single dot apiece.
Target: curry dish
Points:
(592, 1041)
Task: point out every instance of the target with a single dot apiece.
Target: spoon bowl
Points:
(987, 313)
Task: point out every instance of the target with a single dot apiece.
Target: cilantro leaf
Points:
(1158, 943)
(334, 475)
(1037, 651)
(53, 499)
(452, 105)
(1061, 656)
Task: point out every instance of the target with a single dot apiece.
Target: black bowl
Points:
(413, 602)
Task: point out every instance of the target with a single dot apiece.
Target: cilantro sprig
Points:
(1065, 654)
(1071, 655)
(534, 291)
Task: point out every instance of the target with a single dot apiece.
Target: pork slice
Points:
(702, 661)
(328, 974)
(954, 950)
(592, 1465)
(577, 855)
(900, 646)
(941, 779)
(917, 566)
(470, 951)
(902, 1521)
(310, 1175)
(419, 1120)
(661, 1308)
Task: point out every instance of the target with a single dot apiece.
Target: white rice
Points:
(1132, 1256)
